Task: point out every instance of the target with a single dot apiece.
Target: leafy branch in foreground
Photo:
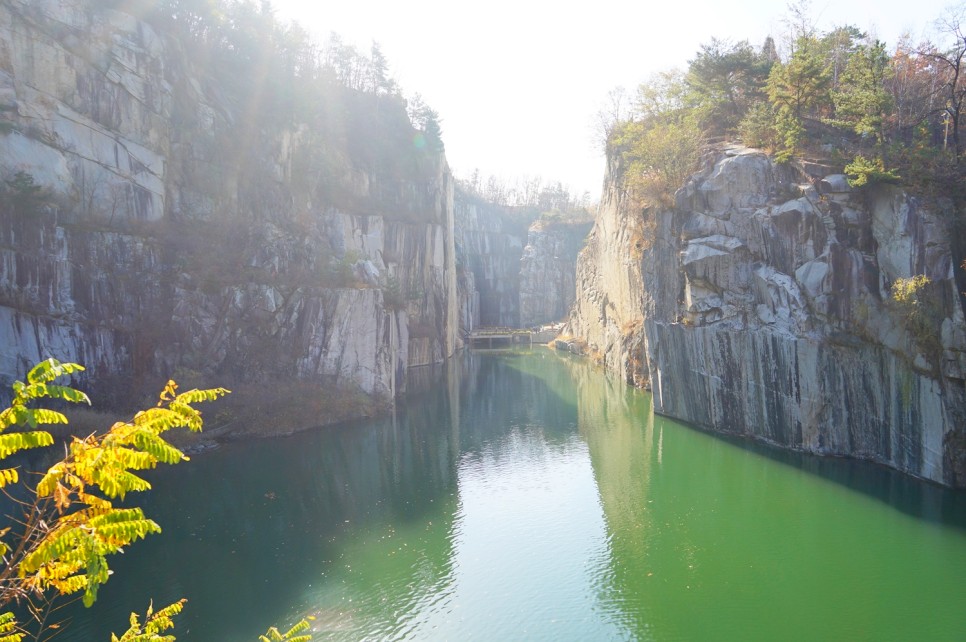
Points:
(155, 623)
(71, 524)
(67, 525)
(292, 635)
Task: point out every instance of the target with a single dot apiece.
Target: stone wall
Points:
(490, 239)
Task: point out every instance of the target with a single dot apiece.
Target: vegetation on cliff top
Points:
(840, 97)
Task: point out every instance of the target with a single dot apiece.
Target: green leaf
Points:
(154, 623)
(49, 481)
(198, 396)
(274, 635)
(50, 369)
(57, 392)
(40, 416)
(8, 628)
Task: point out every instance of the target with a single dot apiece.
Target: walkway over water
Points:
(490, 337)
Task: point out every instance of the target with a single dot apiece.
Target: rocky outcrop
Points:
(160, 219)
(607, 316)
(547, 271)
(766, 308)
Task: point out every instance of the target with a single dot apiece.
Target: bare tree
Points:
(615, 109)
(952, 64)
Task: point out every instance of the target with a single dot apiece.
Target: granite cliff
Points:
(516, 267)
(489, 240)
(162, 217)
(547, 271)
(764, 304)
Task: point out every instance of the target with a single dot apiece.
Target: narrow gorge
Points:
(437, 404)
(166, 216)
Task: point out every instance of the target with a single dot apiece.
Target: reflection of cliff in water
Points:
(617, 423)
(252, 531)
(701, 529)
(523, 392)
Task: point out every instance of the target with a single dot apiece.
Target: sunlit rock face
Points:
(765, 305)
(180, 229)
(608, 312)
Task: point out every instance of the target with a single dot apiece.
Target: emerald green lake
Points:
(525, 496)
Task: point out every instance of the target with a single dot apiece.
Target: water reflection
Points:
(261, 533)
(710, 539)
(617, 425)
(525, 496)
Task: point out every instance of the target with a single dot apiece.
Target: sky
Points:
(517, 83)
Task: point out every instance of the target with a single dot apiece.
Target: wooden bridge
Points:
(490, 337)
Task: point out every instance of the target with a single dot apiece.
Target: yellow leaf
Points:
(8, 476)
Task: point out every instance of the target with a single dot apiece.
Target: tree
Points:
(611, 113)
(795, 89)
(862, 102)
(838, 46)
(22, 195)
(803, 82)
(663, 145)
(724, 81)
(769, 51)
(67, 525)
(914, 85)
(433, 131)
(379, 81)
(952, 64)
(554, 197)
(662, 94)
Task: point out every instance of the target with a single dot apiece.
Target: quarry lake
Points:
(525, 496)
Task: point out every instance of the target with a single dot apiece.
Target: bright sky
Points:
(517, 82)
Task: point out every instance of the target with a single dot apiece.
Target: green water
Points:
(527, 497)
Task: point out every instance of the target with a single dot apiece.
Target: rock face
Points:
(762, 305)
(548, 272)
(156, 223)
(607, 315)
(490, 240)
(517, 269)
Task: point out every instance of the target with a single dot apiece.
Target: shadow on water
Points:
(919, 498)
(916, 497)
